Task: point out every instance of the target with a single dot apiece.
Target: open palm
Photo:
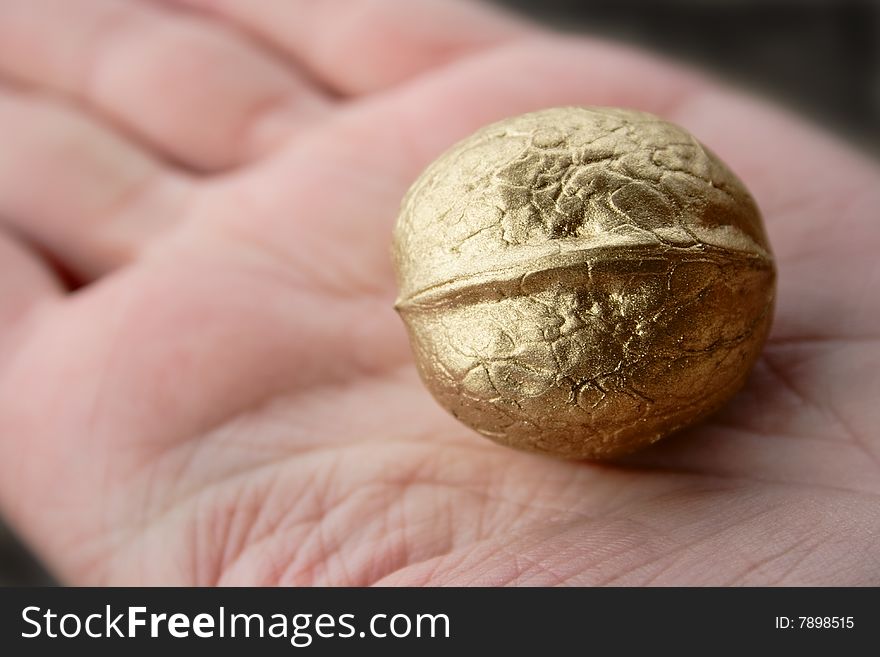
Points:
(229, 397)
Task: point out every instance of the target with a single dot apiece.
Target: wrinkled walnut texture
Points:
(582, 281)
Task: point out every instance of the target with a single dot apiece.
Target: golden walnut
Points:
(582, 281)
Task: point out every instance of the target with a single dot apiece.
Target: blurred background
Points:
(820, 57)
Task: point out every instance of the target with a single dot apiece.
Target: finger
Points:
(191, 88)
(24, 283)
(86, 195)
(359, 46)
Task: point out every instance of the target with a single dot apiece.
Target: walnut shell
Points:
(582, 281)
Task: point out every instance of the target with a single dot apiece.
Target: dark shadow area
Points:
(821, 57)
(17, 567)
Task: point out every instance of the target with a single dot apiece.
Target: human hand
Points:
(230, 398)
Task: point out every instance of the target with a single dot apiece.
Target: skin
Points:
(227, 396)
